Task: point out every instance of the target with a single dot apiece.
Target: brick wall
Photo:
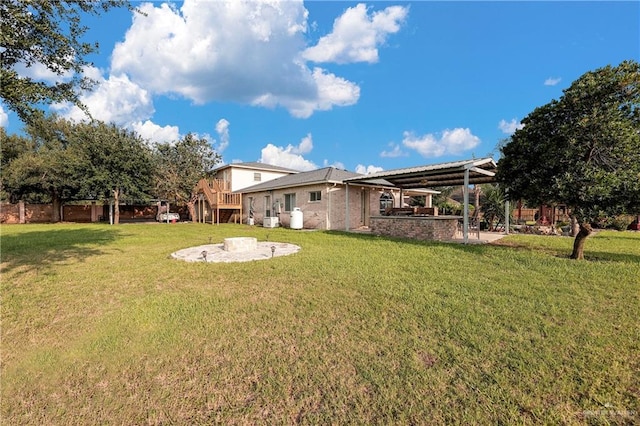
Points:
(42, 213)
(25, 213)
(328, 213)
(438, 228)
(9, 213)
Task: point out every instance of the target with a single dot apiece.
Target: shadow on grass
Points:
(603, 256)
(43, 248)
(590, 254)
(623, 235)
(469, 248)
(562, 253)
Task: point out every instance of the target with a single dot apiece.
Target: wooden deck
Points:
(222, 205)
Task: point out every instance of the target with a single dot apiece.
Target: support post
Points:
(346, 220)
(21, 212)
(476, 208)
(506, 212)
(465, 192)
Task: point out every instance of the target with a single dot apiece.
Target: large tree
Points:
(181, 165)
(582, 150)
(119, 164)
(45, 166)
(49, 34)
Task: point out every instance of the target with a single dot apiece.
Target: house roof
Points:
(313, 177)
(481, 170)
(257, 166)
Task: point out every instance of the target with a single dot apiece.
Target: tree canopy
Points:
(582, 150)
(117, 162)
(180, 165)
(46, 33)
(58, 161)
(45, 166)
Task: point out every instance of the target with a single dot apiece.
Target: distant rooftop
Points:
(257, 166)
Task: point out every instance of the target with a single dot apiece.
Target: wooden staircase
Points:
(224, 205)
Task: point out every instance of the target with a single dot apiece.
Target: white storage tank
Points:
(296, 218)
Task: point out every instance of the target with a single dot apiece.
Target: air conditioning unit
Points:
(270, 222)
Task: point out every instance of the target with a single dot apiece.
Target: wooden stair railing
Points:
(203, 185)
(219, 197)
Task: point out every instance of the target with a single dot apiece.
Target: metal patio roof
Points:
(480, 170)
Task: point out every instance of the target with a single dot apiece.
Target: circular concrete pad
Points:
(217, 253)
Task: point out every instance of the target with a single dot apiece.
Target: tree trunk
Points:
(578, 244)
(192, 210)
(191, 206)
(575, 226)
(116, 207)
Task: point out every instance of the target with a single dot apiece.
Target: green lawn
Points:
(100, 326)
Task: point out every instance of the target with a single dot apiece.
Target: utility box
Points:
(270, 222)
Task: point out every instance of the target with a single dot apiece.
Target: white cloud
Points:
(4, 117)
(356, 35)
(277, 156)
(367, 170)
(245, 52)
(331, 90)
(454, 141)
(305, 146)
(552, 81)
(222, 128)
(40, 72)
(155, 133)
(509, 127)
(395, 151)
(114, 100)
(291, 156)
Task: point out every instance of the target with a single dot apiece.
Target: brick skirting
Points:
(438, 228)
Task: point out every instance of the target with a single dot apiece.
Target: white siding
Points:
(243, 178)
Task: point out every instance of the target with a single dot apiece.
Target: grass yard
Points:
(100, 326)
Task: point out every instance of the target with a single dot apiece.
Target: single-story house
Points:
(323, 197)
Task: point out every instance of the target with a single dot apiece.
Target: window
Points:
(289, 202)
(257, 177)
(386, 201)
(315, 196)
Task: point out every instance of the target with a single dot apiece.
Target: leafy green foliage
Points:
(442, 200)
(181, 165)
(118, 161)
(64, 161)
(582, 150)
(492, 205)
(45, 166)
(12, 146)
(45, 33)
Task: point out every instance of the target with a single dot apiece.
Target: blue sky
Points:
(361, 86)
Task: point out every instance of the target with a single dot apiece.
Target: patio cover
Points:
(465, 173)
